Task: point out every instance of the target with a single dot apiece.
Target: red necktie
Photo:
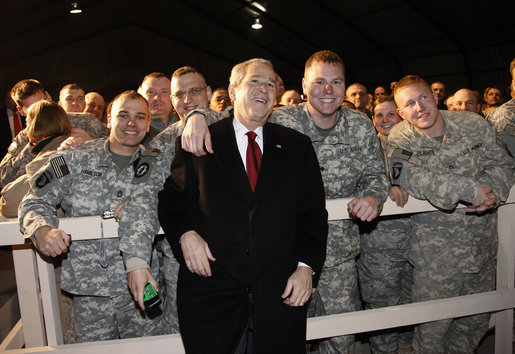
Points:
(17, 123)
(253, 159)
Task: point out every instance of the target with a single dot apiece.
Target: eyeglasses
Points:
(195, 91)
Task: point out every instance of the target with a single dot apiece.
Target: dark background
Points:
(113, 44)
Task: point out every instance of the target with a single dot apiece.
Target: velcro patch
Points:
(141, 169)
(45, 178)
(509, 129)
(401, 154)
(60, 167)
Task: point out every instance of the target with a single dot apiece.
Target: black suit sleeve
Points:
(312, 216)
(176, 212)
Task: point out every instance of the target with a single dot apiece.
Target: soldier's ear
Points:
(399, 112)
(109, 121)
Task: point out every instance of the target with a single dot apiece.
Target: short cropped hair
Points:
(186, 70)
(239, 71)
(25, 88)
(156, 75)
(131, 94)
(408, 81)
(47, 119)
(326, 57)
(382, 99)
(70, 87)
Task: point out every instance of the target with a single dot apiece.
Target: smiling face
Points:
(254, 97)
(385, 117)
(129, 122)
(417, 105)
(189, 101)
(324, 85)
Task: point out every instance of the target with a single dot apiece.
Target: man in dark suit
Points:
(248, 249)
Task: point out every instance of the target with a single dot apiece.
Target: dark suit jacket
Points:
(5, 132)
(256, 237)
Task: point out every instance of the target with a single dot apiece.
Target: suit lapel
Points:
(228, 156)
(272, 157)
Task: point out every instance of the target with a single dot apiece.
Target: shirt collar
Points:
(240, 130)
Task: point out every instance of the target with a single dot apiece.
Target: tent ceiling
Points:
(463, 43)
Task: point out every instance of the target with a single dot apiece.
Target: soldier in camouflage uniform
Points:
(155, 87)
(503, 118)
(448, 157)
(189, 92)
(351, 165)
(385, 274)
(169, 267)
(25, 93)
(100, 175)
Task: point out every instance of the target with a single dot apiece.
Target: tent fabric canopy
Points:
(113, 44)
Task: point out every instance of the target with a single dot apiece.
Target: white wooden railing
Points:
(39, 329)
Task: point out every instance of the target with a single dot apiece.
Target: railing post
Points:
(505, 268)
(28, 295)
(49, 299)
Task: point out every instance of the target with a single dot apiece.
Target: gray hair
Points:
(239, 71)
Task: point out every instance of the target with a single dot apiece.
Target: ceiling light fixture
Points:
(75, 8)
(258, 6)
(257, 25)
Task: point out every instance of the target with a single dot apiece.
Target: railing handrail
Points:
(360, 321)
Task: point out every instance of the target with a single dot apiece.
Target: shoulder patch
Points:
(45, 178)
(60, 167)
(401, 154)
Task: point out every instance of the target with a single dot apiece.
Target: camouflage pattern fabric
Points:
(352, 166)
(92, 318)
(503, 120)
(19, 152)
(385, 274)
(450, 244)
(85, 181)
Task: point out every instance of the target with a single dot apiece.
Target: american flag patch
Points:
(401, 154)
(60, 167)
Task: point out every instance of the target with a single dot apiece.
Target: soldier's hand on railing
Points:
(52, 242)
(399, 196)
(485, 200)
(366, 208)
